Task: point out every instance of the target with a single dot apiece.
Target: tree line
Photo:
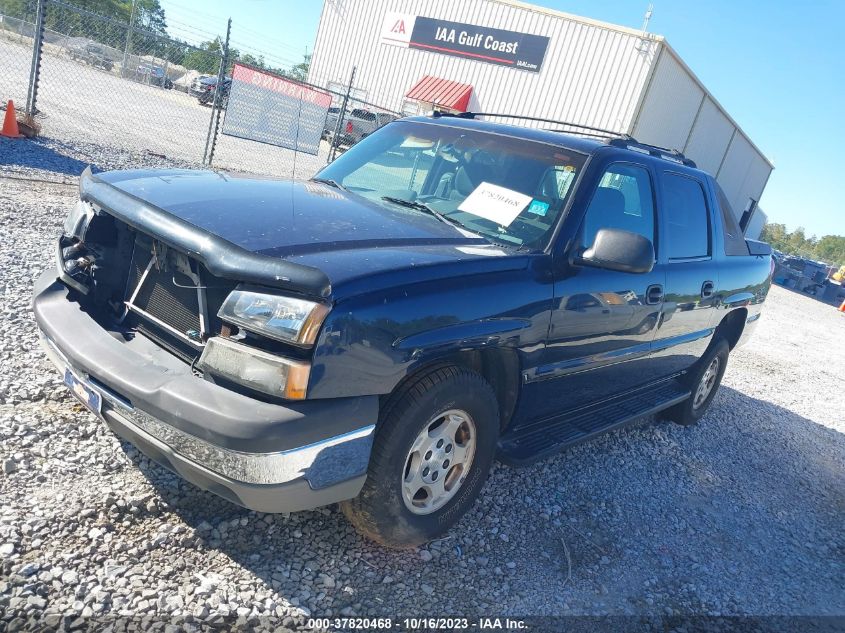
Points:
(107, 22)
(829, 249)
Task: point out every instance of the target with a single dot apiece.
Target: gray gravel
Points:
(739, 515)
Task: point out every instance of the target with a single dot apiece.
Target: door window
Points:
(623, 200)
(685, 212)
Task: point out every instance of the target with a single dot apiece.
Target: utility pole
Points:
(644, 36)
(128, 39)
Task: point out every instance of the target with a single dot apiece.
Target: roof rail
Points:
(652, 150)
(596, 135)
(472, 115)
(616, 139)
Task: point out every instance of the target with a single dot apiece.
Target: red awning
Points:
(441, 92)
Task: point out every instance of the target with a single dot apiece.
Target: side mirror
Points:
(615, 249)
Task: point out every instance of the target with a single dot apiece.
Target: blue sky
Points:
(776, 66)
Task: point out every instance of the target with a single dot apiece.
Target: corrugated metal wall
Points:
(709, 138)
(678, 113)
(670, 105)
(591, 74)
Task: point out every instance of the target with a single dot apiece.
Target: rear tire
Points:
(433, 448)
(703, 380)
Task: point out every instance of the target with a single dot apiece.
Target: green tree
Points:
(149, 16)
(829, 249)
(206, 58)
(21, 9)
(300, 71)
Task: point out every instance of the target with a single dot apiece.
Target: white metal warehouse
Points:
(509, 57)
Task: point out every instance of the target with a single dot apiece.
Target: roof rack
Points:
(472, 115)
(653, 150)
(597, 135)
(616, 139)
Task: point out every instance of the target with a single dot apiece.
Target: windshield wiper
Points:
(329, 182)
(413, 204)
(419, 206)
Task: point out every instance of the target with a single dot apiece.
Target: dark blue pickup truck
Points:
(449, 291)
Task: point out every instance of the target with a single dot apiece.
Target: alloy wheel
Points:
(438, 462)
(705, 385)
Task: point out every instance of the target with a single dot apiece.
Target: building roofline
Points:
(579, 18)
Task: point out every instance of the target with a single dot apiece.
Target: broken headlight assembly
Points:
(73, 260)
(286, 319)
(77, 220)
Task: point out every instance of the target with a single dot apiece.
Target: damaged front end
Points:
(199, 353)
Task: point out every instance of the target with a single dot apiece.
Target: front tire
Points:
(703, 381)
(432, 453)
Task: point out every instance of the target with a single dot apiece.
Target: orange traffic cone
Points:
(10, 122)
(842, 307)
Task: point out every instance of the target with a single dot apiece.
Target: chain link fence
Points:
(16, 42)
(93, 79)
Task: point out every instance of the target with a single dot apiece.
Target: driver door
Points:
(603, 321)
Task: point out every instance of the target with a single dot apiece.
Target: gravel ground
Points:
(741, 514)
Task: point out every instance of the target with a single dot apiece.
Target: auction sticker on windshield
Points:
(495, 203)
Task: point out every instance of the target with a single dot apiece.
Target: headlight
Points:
(282, 318)
(255, 368)
(77, 220)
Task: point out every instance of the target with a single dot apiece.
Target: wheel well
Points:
(499, 367)
(731, 326)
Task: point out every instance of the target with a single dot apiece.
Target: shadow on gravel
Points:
(744, 503)
(44, 154)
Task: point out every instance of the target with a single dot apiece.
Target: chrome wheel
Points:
(705, 385)
(438, 462)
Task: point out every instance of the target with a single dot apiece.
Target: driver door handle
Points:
(707, 289)
(654, 294)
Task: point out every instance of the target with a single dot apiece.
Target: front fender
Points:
(369, 343)
(464, 336)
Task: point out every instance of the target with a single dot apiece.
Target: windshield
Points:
(508, 190)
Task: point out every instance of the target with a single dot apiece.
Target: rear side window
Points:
(734, 239)
(623, 200)
(685, 215)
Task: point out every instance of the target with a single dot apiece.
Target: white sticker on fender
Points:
(495, 203)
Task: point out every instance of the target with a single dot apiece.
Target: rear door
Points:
(687, 315)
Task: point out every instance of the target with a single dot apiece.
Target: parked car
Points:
(331, 122)
(206, 97)
(153, 76)
(446, 292)
(91, 54)
(201, 83)
(358, 124)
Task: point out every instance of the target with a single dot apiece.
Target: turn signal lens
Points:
(255, 368)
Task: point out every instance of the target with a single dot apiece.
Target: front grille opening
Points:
(165, 290)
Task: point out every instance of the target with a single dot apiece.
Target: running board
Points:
(540, 439)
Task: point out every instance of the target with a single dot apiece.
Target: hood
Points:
(306, 223)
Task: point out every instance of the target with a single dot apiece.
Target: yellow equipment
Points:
(839, 275)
